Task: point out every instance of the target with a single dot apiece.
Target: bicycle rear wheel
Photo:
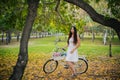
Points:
(81, 66)
(50, 66)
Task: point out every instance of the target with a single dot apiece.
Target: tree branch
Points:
(49, 3)
(57, 5)
(57, 10)
(109, 22)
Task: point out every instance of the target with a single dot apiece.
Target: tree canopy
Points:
(13, 13)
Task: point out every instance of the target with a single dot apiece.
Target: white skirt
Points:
(72, 57)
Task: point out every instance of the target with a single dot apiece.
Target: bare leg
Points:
(71, 64)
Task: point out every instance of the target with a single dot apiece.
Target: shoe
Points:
(73, 75)
(66, 66)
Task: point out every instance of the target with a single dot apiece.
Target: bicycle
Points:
(51, 65)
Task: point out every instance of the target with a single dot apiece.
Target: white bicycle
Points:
(51, 65)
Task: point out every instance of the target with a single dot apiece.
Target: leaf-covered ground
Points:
(100, 68)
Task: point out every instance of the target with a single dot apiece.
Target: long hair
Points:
(74, 37)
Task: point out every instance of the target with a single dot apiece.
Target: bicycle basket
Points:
(58, 55)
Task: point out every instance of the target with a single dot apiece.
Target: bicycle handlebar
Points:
(62, 49)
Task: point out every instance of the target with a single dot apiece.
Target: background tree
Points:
(114, 6)
(12, 16)
(107, 21)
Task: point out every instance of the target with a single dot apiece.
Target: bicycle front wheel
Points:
(81, 66)
(50, 66)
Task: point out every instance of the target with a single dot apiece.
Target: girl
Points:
(73, 43)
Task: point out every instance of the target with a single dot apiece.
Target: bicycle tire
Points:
(47, 71)
(81, 66)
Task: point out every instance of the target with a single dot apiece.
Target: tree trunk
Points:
(23, 52)
(110, 22)
(93, 36)
(36, 34)
(18, 36)
(105, 37)
(39, 35)
(7, 38)
(110, 50)
(2, 36)
(110, 45)
(82, 36)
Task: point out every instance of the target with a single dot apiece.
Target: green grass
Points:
(46, 45)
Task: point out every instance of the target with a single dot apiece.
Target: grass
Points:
(46, 45)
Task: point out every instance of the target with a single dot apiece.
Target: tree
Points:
(114, 6)
(107, 21)
(7, 23)
(12, 17)
(23, 52)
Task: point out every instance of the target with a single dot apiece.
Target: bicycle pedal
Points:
(66, 66)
